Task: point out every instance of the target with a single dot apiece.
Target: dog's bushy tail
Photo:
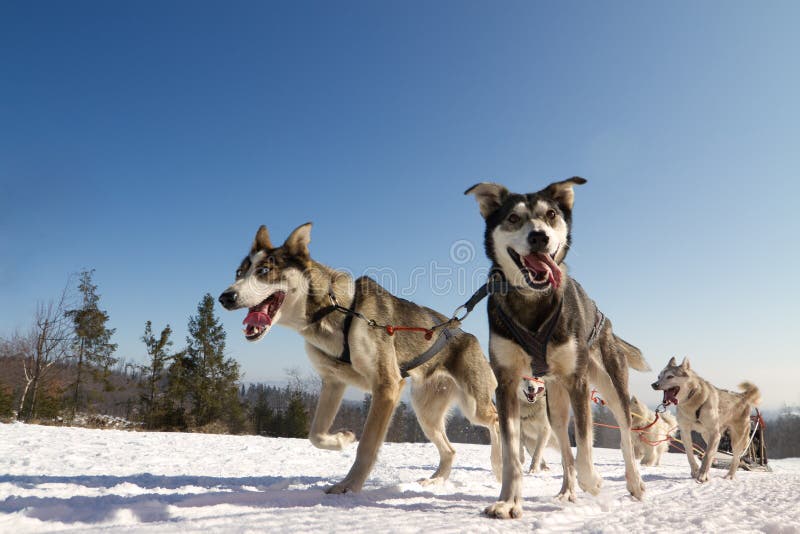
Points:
(751, 393)
(632, 354)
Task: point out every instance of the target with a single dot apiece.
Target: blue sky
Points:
(148, 140)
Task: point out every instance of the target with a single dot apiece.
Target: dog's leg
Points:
(384, 400)
(660, 450)
(558, 411)
(481, 411)
(536, 448)
(330, 397)
(613, 383)
(588, 479)
(712, 440)
(739, 435)
(509, 505)
(431, 401)
(476, 386)
(688, 446)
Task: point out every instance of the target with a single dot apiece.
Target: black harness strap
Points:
(433, 350)
(344, 357)
(534, 343)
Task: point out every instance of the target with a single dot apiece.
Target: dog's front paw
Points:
(345, 486)
(636, 488)
(504, 510)
(695, 472)
(345, 438)
(433, 481)
(538, 468)
(701, 478)
(729, 476)
(590, 483)
(567, 495)
(333, 442)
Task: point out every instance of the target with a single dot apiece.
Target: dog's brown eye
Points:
(513, 218)
(239, 273)
(551, 214)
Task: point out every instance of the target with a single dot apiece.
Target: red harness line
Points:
(533, 379)
(600, 402)
(390, 329)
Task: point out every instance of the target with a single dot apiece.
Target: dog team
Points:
(548, 344)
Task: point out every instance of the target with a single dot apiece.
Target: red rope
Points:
(596, 398)
(390, 329)
(533, 378)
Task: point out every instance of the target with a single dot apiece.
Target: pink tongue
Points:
(543, 262)
(257, 319)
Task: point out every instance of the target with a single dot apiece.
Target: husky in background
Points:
(706, 409)
(652, 443)
(535, 429)
(283, 285)
(546, 325)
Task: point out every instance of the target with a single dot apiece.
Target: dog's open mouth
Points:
(540, 270)
(259, 318)
(532, 393)
(671, 395)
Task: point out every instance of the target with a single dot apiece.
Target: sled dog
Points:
(652, 443)
(545, 324)
(534, 426)
(283, 285)
(705, 408)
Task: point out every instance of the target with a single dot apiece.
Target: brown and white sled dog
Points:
(652, 443)
(705, 408)
(283, 285)
(545, 324)
(535, 428)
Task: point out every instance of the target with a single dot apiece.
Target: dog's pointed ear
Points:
(262, 241)
(490, 196)
(634, 400)
(673, 362)
(562, 192)
(298, 240)
(685, 364)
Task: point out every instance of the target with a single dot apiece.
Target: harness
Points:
(535, 342)
(344, 357)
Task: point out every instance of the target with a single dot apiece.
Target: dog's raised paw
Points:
(590, 484)
(504, 510)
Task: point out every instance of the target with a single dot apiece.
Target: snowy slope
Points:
(70, 479)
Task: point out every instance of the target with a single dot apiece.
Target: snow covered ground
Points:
(72, 479)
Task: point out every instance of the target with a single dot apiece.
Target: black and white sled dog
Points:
(535, 431)
(543, 323)
(283, 285)
(705, 408)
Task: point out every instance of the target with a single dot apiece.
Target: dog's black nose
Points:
(654, 385)
(228, 299)
(537, 240)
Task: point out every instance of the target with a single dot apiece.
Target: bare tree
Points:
(46, 344)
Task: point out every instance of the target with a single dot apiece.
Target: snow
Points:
(75, 479)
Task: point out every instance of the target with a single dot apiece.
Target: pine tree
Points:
(296, 417)
(212, 377)
(153, 373)
(93, 349)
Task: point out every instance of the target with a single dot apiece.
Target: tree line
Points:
(65, 366)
